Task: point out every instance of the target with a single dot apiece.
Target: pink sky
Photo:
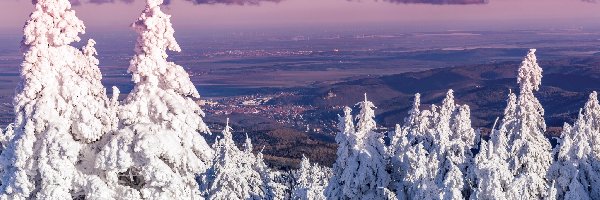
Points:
(497, 13)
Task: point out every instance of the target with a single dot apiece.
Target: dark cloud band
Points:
(78, 2)
(439, 2)
(258, 2)
(167, 2)
(233, 2)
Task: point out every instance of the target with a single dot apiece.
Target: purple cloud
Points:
(167, 2)
(439, 2)
(231, 2)
(79, 2)
(258, 2)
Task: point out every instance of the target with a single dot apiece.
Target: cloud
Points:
(79, 2)
(110, 1)
(167, 2)
(232, 2)
(439, 2)
(258, 2)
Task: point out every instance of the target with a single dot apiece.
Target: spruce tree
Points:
(364, 175)
(158, 150)
(234, 173)
(575, 173)
(61, 111)
(529, 150)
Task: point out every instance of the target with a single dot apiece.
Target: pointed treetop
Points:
(592, 110)
(414, 112)
(347, 111)
(52, 24)
(346, 125)
(154, 3)
(305, 161)
(248, 144)
(417, 101)
(450, 94)
(366, 117)
(530, 73)
(448, 104)
(156, 31)
(227, 136)
(150, 67)
(511, 104)
(594, 96)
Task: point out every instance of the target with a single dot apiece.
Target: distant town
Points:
(299, 117)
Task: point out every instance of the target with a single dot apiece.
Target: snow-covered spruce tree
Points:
(400, 145)
(237, 174)
(371, 180)
(491, 166)
(529, 151)
(431, 154)
(345, 140)
(61, 108)
(459, 166)
(158, 150)
(493, 175)
(499, 138)
(310, 181)
(419, 176)
(575, 173)
(364, 174)
(397, 163)
(303, 182)
(272, 189)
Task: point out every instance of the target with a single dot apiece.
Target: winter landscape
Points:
(364, 113)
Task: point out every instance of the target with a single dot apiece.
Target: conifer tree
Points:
(431, 153)
(310, 181)
(234, 174)
(158, 150)
(529, 150)
(364, 174)
(344, 139)
(574, 173)
(493, 175)
(61, 110)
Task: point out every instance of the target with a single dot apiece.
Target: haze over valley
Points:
(287, 88)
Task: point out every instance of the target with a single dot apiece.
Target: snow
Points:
(530, 153)
(575, 173)
(158, 150)
(237, 174)
(310, 181)
(61, 109)
(362, 150)
(519, 146)
(431, 153)
(69, 140)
